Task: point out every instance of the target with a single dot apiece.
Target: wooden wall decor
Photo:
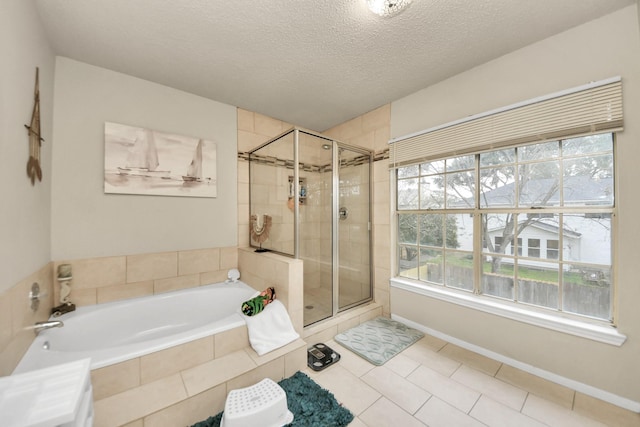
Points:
(35, 140)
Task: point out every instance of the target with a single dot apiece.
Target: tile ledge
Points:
(274, 354)
(255, 360)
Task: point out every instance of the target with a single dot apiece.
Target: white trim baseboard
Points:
(595, 392)
(597, 332)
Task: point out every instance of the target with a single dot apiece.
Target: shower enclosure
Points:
(317, 193)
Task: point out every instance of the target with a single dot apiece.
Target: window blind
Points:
(592, 108)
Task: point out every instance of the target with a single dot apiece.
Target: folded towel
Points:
(270, 329)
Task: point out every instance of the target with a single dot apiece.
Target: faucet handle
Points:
(35, 295)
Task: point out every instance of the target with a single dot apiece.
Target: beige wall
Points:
(603, 48)
(88, 223)
(16, 316)
(25, 209)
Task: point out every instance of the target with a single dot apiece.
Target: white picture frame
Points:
(148, 162)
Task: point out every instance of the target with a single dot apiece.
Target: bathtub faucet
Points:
(41, 326)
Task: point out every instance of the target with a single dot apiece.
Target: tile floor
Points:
(434, 383)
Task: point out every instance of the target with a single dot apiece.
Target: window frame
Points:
(559, 316)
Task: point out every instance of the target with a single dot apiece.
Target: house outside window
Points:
(519, 247)
(497, 243)
(462, 222)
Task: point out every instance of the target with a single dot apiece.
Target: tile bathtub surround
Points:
(17, 318)
(106, 279)
(203, 368)
(191, 394)
(262, 270)
(205, 383)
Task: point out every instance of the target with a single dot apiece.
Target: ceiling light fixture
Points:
(387, 8)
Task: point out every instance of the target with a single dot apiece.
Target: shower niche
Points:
(302, 180)
(302, 189)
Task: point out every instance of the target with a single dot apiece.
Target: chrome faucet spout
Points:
(41, 326)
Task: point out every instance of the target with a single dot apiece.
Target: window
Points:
(534, 248)
(552, 249)
(462, 223)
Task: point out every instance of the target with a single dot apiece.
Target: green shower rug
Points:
(311, 405)
(378, 340)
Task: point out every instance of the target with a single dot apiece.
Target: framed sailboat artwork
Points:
(149, 162)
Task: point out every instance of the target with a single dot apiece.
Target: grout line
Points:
(184, 386)
(139, 360)
(372, 403)
(524, 402)
(456, 370)
(498, 371)
(473, 406)
(495, 374)
(423, 405)
(412, 371)
(441, 348)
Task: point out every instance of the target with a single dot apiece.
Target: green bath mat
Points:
(378, 340)
(311, 405)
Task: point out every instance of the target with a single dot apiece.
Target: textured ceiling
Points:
(310, 63)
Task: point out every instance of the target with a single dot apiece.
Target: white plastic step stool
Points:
(263, 404)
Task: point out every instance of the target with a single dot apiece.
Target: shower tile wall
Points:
(316, 245)
(253, 130)
(270, 196)
(370, 131)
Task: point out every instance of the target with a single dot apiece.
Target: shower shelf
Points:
(302, 182)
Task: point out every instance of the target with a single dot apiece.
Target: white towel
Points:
(270, 329)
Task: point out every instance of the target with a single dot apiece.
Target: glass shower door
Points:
(315, 159)
(353, 225)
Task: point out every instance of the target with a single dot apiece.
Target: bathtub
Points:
(115, 332)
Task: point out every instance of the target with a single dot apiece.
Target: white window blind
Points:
(591, 108)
